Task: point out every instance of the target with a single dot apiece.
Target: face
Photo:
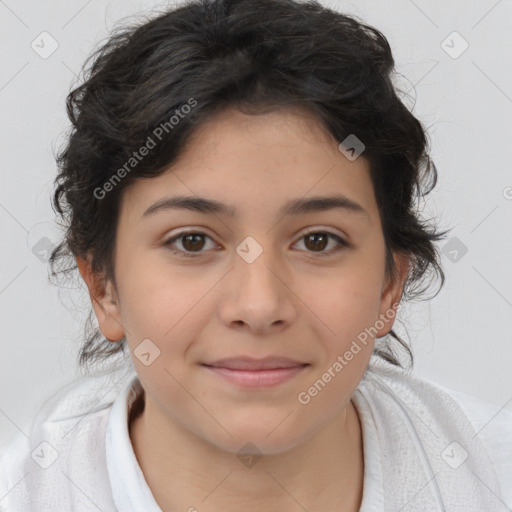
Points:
(256, 280)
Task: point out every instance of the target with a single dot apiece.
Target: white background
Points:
(461, 339)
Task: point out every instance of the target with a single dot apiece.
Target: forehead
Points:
(259, 162)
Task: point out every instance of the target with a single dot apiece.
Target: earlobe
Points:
(104, 301)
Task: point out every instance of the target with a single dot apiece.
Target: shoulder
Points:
(65, 443)
(493, 426)
(84, 395)
(452, 412)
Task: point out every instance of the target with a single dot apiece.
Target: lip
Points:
(251, 363)
(257, 378)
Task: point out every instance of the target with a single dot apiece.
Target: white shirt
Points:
(87, 463)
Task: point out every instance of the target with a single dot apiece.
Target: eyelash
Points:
(342, 244)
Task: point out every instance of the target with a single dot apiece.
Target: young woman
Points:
(239, 190)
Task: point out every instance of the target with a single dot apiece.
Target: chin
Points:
(256, 441)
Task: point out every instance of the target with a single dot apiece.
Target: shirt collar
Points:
(130, 490)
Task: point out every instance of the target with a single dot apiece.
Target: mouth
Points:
(252, 363)
(257, 377)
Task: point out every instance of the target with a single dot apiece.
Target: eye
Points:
(317, 241)
(191, 241)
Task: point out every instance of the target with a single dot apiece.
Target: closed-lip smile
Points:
(250, 363)
(248, 372)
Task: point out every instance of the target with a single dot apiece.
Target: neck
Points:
(184, 471)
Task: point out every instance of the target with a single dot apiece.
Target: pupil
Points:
(322, 237)
(194, 236)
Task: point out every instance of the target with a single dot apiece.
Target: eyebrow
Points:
(293, 207)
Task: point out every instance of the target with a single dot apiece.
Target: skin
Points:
(289, 301)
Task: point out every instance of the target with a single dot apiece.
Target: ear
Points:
(104, 301)
(392, 293)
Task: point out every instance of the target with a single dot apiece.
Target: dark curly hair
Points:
(259, 56)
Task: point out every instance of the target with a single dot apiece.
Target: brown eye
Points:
(192, 243)
(317, 241)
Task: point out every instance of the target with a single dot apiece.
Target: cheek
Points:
(348, 342)
(346, 301)
(157, 301)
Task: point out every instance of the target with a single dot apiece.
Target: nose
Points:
(257, 296)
